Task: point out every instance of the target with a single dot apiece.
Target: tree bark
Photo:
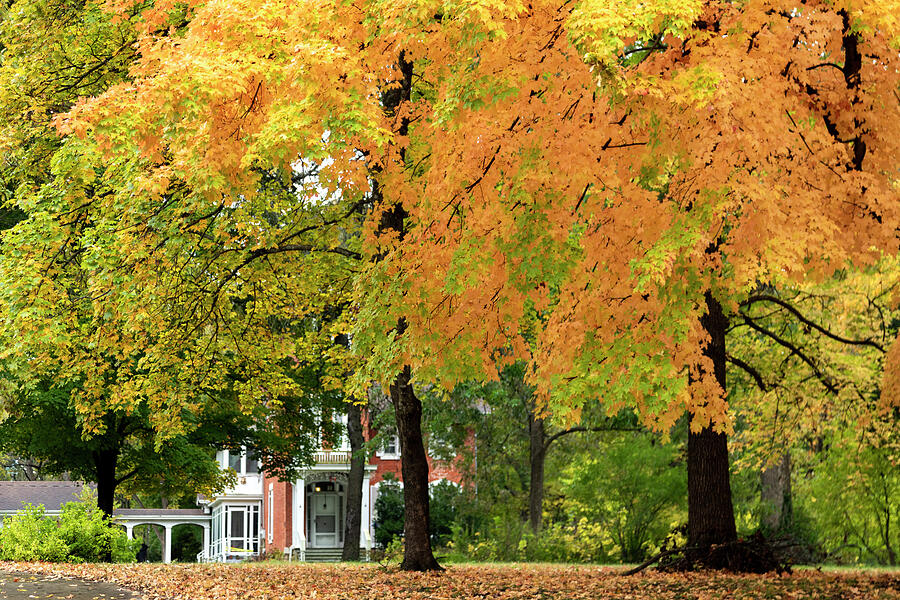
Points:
(537, 456)
(710, 510)
(355, 483)
(105, 462)
(417, 554)
(413, 460)
(776, 496)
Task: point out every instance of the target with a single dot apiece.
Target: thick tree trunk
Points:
(105, 462)
(537, 455)
(414, 466)
(355, 483)
(776, 496)
(710, 511)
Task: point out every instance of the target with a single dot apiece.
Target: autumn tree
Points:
(637, 197)
(630, 173)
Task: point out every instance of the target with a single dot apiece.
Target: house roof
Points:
(51, 494)
(140, 512)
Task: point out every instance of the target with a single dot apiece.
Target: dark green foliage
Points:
(446, 501)
(389, 512)
(446, 498)
(43, 425)
(187, 541)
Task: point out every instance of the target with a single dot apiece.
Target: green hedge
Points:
(80, 534)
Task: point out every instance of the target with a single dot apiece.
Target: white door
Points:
(324, 520)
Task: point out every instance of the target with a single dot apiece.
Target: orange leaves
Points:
(369, 582)
(890, 381)
(232, 92)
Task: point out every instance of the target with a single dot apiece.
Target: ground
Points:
(16, 585)
(468, 582)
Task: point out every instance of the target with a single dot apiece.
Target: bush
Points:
(389, 512)
(30, 535)
(510, 540)
(81, 534)
(443, 511)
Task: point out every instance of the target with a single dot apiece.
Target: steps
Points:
(323, 554)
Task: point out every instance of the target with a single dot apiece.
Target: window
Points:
(252, 467)
(391, 447)
(234, 461)
(341, 441)
(440, 446)
(242, 463)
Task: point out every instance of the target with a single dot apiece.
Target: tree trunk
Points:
(417, 554)
(413, 460)
(29, 470)
(710, 511)
(105, 462)
(776, 496)
(355, 483)
(537, 455)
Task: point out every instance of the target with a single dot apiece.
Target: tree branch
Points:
(560, 434)
(794, 351)
(750, 370)
(775, 300)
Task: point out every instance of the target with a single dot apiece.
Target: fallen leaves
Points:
(370, 582)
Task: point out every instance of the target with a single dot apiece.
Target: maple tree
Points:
(635, 220)
(629, 173)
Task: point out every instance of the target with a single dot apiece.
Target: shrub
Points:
(443, 511)
(389, 512)
(30, 535)
(81, 534)
(90, 537)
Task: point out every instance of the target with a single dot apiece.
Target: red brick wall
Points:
(281, 532)
(437, 470)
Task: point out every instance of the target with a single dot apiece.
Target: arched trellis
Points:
(166, 518)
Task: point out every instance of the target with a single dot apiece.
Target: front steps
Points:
(323, 554)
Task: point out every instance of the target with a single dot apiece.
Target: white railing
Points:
(332, 457)
(301, 547)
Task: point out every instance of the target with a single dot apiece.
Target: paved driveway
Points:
(25, 586)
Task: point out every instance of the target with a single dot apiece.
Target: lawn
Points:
(476, 582)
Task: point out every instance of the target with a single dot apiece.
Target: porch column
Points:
(129, 530)
(298, 517)
(205, 547)
(167, 547)
(365, 520)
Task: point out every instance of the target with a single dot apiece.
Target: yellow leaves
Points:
(602, 29)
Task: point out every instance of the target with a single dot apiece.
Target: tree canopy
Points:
(594, 188)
